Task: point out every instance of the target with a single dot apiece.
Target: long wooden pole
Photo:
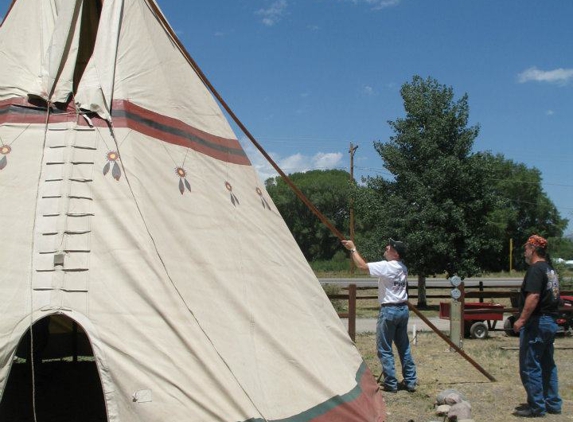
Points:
(451, 343)
(296, 190)
(7, 13)
(211, 88)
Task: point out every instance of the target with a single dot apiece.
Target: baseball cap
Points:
(399, 246)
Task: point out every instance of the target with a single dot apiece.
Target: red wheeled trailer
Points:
(564, 320)
(479, 318)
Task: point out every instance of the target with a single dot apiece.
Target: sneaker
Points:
(409, 388)
(527, 413)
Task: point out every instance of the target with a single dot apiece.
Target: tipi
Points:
(129, 209)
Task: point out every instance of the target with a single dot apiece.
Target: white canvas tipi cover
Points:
(128, 205)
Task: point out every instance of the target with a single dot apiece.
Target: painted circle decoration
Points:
(259, 191)
(228, 186)
(5, 149)
(112, 156)
(180, 172)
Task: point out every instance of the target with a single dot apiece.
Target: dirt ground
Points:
(440, 369)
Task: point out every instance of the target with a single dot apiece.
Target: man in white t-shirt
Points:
(392, 326)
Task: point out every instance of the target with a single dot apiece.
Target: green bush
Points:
(338, 265)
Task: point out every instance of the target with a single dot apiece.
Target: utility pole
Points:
(352, 151)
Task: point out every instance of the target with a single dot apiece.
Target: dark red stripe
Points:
(139, 119)
(176, 132)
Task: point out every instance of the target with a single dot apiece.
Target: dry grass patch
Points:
(440, 369)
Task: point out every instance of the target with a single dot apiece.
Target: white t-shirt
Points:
(392, 280)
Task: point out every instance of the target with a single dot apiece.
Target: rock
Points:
(443, 409)
(441, 398)
(453, 398)
(460, 411)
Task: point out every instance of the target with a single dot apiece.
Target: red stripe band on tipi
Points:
(129, 115)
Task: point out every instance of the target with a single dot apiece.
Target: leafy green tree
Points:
(438, 198)
(522, 208)
(329, 191)
(561, 247)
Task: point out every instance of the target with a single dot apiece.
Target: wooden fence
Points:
(479, 291)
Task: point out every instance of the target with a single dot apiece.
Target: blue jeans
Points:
(392, 327)
(536, 365)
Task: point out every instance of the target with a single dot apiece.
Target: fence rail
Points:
(481, 294)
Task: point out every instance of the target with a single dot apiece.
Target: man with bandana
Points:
(538, 309)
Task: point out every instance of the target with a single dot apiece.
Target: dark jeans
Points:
(536, 365)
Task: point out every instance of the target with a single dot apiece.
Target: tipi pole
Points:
(200, 73)
(8, 12)
(451, 343)
(287, 180)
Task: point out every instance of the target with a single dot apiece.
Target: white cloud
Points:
(559, 76)
(382, 4)
(368, 90)
(295, 163)
(550, 112)
(377, 4)
(274, 13)
(327, 160)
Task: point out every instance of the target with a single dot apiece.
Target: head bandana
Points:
(537, 241)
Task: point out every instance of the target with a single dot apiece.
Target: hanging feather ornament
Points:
(4, 150)
(234, 199)
(183, 182)
(112, 157)
(263, 200)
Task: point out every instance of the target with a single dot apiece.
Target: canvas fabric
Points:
(196, 299)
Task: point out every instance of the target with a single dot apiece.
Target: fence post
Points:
(352, 311)
(481, 290)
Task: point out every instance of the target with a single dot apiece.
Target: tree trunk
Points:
(422, 303)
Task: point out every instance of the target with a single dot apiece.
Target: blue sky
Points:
(307, 77)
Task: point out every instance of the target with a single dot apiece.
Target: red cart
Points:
(479, 320)
(564, 320)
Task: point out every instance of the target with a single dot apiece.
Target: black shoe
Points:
(522, 406)
(554, 412)
(409, 388)
(527, 413)
(389, 389)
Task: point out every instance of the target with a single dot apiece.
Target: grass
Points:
(440, 369)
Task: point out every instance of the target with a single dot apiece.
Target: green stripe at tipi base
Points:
(327, 406)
